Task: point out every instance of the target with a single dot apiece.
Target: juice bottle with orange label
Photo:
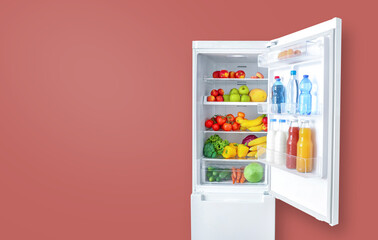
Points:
(304, 149)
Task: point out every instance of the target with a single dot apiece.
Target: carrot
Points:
(239, 173)
(233, 175)
(242, 179)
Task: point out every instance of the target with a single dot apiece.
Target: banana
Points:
(257, 141)
(256, 128)
(252, 123)
(256, 147)
(251, 154)
(243, 128)
(260, 152)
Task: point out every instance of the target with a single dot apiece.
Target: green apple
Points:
(234, 91)
(234, 98)
(243, 89)
(245, 98)
(226, 97)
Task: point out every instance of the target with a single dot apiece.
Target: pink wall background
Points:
(95, 126)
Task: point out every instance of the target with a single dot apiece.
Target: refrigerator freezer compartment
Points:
(291, 54)
(304, 167)
(232, 173)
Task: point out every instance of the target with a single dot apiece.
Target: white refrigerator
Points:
(221, 210)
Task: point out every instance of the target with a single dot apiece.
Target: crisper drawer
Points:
(232, 216)
(232, 173)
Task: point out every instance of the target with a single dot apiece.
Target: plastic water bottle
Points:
(305, 96)
(292, 93)
(278, 95)
(280, 142)
(270, 141)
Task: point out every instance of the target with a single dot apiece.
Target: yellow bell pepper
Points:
(242, 150)
(229, 152)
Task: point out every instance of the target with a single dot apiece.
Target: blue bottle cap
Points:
(273, 120)
(282, 120)
(305, 76)
(293, 72)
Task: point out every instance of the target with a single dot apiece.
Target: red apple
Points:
(214, 93)
(211, 98)
(231, 74)
(221, 91)
(254, 77)
(223, 74)
(240, 74)
(219, 99)
(216, 74)
(259, 75)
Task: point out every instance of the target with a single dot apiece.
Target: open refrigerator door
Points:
(311, 184)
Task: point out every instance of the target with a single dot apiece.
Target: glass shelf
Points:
(205, 102)
(235, 79)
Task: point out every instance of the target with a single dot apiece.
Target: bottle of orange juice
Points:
(304, 149)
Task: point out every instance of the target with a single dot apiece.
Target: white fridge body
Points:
(222, 210)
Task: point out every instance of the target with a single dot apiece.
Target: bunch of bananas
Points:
(255, 125)
(257, 147)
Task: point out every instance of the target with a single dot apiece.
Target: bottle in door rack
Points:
(304, 149)
(278, 95)
(291, 147)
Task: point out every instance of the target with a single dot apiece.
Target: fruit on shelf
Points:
(227, 126)
(226, 97)
(257, 147)
(242, 150)
(209, 123)
(265, 120)
(241, 114)
(258, 128)
(254, 172)
(252, 154)
(258, 95)
(216, 74)
(220, 120)
(235, 126)
(223, 74)
(219, 98)
(211, 98)
(254, 77)
(215, 127)
(245, 98)
(231, 74)
(214, 92)
(234, 91)
(221, 91)
(243, 89)
(230, 118)
(289, 53)
(240, 74)
(259, 75)
(257, 141)
(234, 98)
(251, 123)
(229, 152)
(297, 52)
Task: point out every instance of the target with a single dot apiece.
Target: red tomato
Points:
(227, 127)
(230, 118)
(215, 127)
(235, 126)
(265, 120)
(221, 120)
(209, 123)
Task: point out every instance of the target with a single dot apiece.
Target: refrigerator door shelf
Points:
(232, 216)
(302, 51)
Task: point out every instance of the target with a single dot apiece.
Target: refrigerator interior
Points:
(207, 63)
